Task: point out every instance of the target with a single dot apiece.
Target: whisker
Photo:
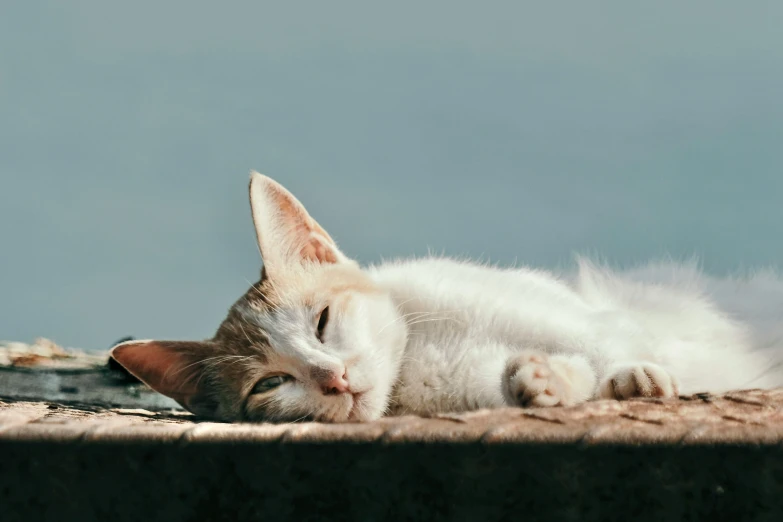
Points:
(435, 320)
(245, 333)
(419, 315)
(263, 297)
(400, 318)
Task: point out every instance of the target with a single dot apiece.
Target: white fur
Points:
(466, 321)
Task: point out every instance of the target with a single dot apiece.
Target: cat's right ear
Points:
(173, 368)
(288, 237)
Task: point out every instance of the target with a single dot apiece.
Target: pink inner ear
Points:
(315, 250)
(317, 246)
(286, 232)
(161, 365)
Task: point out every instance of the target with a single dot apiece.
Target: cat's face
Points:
(314, 339)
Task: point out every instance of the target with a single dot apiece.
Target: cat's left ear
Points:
(173, 368)
(287, 235)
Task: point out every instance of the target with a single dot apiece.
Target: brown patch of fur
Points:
(240, 336)
(230, 381)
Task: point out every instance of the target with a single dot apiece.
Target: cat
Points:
(319, 338)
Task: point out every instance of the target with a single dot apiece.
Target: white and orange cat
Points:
(320, 338)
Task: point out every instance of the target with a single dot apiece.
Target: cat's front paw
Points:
(535, 379)
(639, 380)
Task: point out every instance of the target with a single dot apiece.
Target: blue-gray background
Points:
(512, 130)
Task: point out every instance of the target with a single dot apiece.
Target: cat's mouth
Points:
(355, 406)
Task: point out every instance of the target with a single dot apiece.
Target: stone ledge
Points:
(743, 417)
(699, 458)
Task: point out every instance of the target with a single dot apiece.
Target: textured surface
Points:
(88, 443)
(697, 458)
(740, 417)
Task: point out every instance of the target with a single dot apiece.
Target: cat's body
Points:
(320, 338)
(467, 322)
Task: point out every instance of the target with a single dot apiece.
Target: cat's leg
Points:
(534, 378)
(641, 379)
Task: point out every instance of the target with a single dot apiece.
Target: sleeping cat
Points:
(320, 338)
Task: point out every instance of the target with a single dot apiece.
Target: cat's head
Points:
(314, 339)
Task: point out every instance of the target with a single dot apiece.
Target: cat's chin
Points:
(362, 408)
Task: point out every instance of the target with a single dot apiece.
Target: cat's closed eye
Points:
(270, 383)
(323, 318)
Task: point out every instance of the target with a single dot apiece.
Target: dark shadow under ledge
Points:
(78, 441)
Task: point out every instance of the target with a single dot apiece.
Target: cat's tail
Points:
(754, 300)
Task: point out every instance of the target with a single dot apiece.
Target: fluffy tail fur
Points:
(751, 304)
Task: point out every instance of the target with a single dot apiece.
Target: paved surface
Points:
(747, 417)
(700, 458)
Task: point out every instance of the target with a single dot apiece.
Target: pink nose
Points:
(336, 385)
